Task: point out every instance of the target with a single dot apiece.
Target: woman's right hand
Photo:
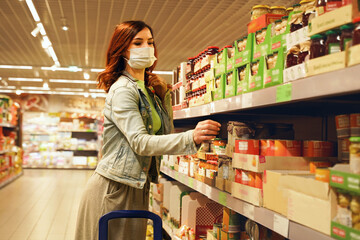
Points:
(206, 130)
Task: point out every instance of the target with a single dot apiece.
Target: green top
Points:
(354, 139)
(155, 116)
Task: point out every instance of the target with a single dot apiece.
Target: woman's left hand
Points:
(158, 84)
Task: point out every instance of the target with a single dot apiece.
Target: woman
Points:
(136, 133)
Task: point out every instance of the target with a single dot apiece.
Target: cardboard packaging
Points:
(256, 82)
(318, 149)
(243, 74)
(189, 205)
(247, 146)
(274, 76)
(328, 63)
(281, 148)
(297, 37)
(263, 49)
(353, 55)
(279, 41)
(274, 199)
(249, 194)
(245, 56)
(220, 64)
(219, 92)
(355, 124)
(177, 192)
(310, 202)
(294, 73)
(256, 163)
(262, 21)
(230, 86)
(220, 183)
(158, 192)
(228, 185)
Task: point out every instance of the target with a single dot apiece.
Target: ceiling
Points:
(182, 28)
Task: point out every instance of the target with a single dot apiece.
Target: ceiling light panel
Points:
(25, 79)
(72, 81)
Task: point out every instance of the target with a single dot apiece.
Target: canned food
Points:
(343, 149)
(219, 146)
(355, 124)
(217, 230)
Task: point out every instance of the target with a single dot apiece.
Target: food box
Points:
(262, 21)
(247, 146)
(219, 91)
(264, 48)
(242, 78)
(158, 192)
(294, 73)
(245, 56)
(220, 183)
(310, 202)
(177, 192)
(318, 149)
(284, 148)
(297, 37)
(274, 76)
(220, 64)
(230, 86)
(249, 194)
(256, 80)
(279, 41)
(353, 55)
(328, 63)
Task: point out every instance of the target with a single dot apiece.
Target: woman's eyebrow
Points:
(142, 39)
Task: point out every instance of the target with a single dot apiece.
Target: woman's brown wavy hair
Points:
(115, 63)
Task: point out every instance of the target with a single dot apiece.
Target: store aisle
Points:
(41, 204)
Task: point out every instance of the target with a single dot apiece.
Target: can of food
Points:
(343, 126)
(322, 174)
(355, 124)
(217, 230)
(318, 149)
(231, 221)
(355, 155)
(343, 149)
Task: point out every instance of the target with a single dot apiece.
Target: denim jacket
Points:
(130, 151)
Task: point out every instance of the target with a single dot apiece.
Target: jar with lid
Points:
(317, 48)
(203, 59)
(258, 11)
(211, 51)
(296, 7)
(333, 4)
(190, 67)
(320, 7)
(346, 35)
(284, 22)
(255, 68)
(258, 37)
(304, 51)
(240, 44)
(270, 61)
(242, 73)
(281, 10)
(277, 27)
(356, 32)
(292, 56)
(289, 10)
(309, 8)
(296, 22)
(332, 43)
(355, 155)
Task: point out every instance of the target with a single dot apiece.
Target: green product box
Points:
(342, 232)
(263, 49)
(256, 80)
(274, 76)
(342, 178)
(220, 64)
(279, 41)
(245, 56)
(242, 78)
(219, 92)
(230, 86)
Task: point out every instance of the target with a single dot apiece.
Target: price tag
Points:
(208, 191)
(198, 187)
(191, 182)
(176, 175)
(212, 107)
(247, 100)
(281, 225)
(249, 211)
(222, 198)
(284, 93)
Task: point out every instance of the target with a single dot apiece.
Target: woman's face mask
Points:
(141, 58)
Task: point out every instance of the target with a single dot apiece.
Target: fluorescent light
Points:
(74, 69)
(163, 72)
(7, 87)
(54, 68)
(97, 90)
(52, 53)
(42, 29)
(86, 75)
(6, 91)
(18, 92)
(70, 89)
(35, 32)
(25, 79)
(15, 67)
(65, 28)
(33, 10)
(33, 88)
(46, 85)
(97, 70)
(0, 78)
(86, 94)
(46, 42)
(72, 81)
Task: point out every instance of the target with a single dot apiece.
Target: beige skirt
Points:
(103, 195)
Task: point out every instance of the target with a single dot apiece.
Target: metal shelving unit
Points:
(10, 179)
(263, 216)
(330, 84)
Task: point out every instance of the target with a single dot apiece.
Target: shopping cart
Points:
(104, 221)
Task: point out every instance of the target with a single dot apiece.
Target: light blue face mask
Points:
(141, 58)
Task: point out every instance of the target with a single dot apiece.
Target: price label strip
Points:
(247, 100)
(222, 198)
(281, 225)
(249, 211)
(284, 93)
(191, 182)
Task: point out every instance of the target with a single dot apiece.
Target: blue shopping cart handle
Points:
(104, 221)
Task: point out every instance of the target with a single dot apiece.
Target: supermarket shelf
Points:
(70, 150)
(7, 125)
(82, 131)
(330, 84)
(38, 133)
(167, 228)
(260, 215)
(9, 180)
(54, 167)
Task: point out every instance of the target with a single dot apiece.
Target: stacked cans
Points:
(347, 125)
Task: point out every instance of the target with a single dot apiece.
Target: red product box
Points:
(318, 149)
(280, 148)
(247, 146)
(262, 21)
(238, 176)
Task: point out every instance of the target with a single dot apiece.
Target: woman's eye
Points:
(137, 43)
(151, 43)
